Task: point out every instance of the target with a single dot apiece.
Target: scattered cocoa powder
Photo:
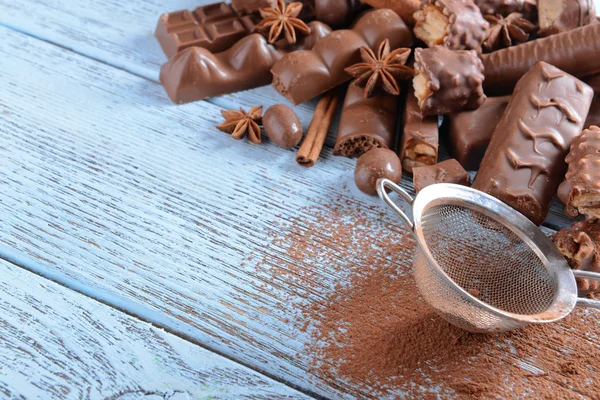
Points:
(346, 270)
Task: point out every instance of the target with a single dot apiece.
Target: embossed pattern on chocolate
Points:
(524, 162)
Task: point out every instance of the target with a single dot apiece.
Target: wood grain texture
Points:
(57, 344)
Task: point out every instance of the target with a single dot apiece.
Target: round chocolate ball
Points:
(282, 126)
(376, 164)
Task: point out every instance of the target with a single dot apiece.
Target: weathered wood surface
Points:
(58, 344)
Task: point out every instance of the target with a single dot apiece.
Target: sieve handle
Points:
(582, 301)
(383, 184)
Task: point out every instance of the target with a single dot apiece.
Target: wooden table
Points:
(126, 220)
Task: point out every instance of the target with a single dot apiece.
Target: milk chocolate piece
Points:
(556, 16)
(580, 244)
(593, 117)
(374, 165)
(506, 7)
(216, 27)
(404, 8)
(449, 171)
(336, 13)
(580, 191)
(282, 126)
(303, 75)
(576, 52)
(420, 138)
(456, 24)
(469, 132)
(524, 162)
(448, 80)
(366, 123)
(250, 6)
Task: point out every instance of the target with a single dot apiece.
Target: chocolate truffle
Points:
(376, 164)
(282, 126)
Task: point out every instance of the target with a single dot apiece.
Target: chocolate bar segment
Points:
(449, 171)
(303, 75)
(580, 191)
(524, 162)
(556, 16)
(456, 24)
(366, 123)
(580, 244)
(469, 132)
(216, 27)
(420, 137)
(250, 6)
(448, 80)
(576, 52)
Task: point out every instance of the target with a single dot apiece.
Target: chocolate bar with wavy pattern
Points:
(525, 161)
(303, 75)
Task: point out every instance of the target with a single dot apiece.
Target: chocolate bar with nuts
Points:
(556, 16)
(455, 24)
(420, 139)
(448, 80)
(576, 52)
(449, 171)
(469, 132)
(580, 244)
(580, 191)
(524, 163)
(303, 75)
(366, 123)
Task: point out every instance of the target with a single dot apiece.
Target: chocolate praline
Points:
(282, 126)
(376, 164)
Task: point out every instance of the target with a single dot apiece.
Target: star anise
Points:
(384, 69)
(505, 32)
(240, 123)
(284, 19)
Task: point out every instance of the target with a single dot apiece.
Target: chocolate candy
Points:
(469, 132)
(524, 162)
(374, 165)
(593, 117)
(506, 7)
(249, 6)
(576, 52)
(404, 8)
(580, 191)
(555, 16)
(336, 13)
(366, 123)
(216, 27)
(420, 139)
(456, 24)
(580, 244)
(449, 171)
(282, 126)
(448, 81)
(302, 75)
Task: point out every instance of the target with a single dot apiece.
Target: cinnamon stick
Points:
(311, 147)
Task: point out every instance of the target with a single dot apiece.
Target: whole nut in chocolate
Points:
(282, 126)
(374, 165)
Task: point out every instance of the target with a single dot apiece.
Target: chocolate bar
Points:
(580, 191)
(506, 7)
(593, 117)
(250, 6)
(216, 27)
(195, 73)
(366, 123)
(524, 162)
(420, 139)
(556, 16)
(576, 52)
(469, 132)
(449, 171)
(580, 244)
(456, 24)
(448, 80)
(303, 75)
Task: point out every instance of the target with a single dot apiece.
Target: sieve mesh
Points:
(486, 259)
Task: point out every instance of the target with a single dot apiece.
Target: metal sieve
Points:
(482, 265)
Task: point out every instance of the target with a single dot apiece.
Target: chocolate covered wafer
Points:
(420, 137)
(576, 52)
(303, 75)
(449, 171)
(469, 132)
(366, 123)
(448, 80)
(456, 24)
(524, 162)
(580, 191)
(556, 16)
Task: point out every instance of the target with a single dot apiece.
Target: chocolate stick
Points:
(311, 147)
